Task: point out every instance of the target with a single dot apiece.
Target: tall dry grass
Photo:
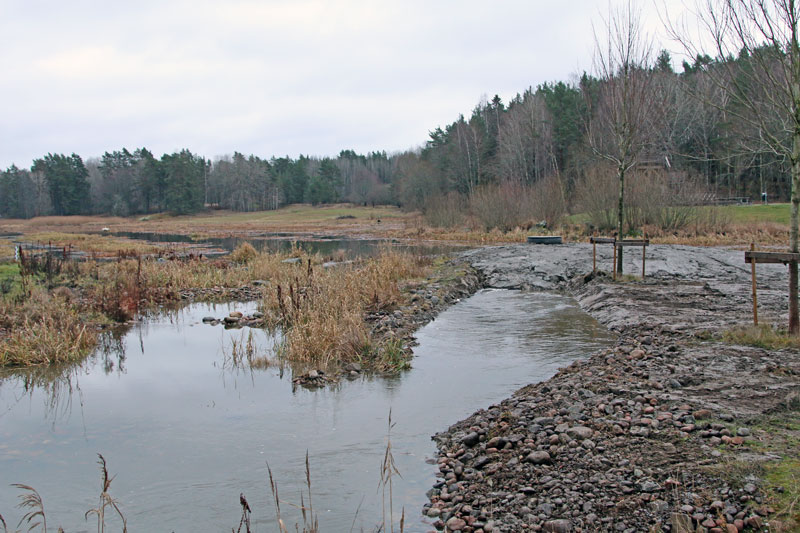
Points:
(44, 329)
(321, 311)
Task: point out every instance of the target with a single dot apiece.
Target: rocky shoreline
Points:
(669, 430)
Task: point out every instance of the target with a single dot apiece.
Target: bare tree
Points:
(525, 141)
(622, 104)
(763, 85)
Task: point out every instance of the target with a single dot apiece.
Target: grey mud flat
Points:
(638, 437)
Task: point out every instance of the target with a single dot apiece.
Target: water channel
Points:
(185, 433)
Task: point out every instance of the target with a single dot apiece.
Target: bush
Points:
(511, 205)
(445, 210)
(656, 199)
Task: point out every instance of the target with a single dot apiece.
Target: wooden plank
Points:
(632, 242)
(770, 257)
(602, 240)
(544, 239)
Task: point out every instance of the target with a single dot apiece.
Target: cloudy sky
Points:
(272, 77)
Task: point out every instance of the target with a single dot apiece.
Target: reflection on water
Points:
(57, 385)
(325, 245)
(185, 432)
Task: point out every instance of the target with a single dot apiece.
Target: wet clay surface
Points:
(647, 434)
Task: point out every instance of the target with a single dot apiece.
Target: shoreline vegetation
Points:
(329, 312)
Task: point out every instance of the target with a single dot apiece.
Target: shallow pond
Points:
(185, 433)
(325, 245)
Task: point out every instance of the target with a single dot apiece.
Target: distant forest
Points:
(538, 141)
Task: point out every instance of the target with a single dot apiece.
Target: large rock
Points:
(580, 432)
(471, 439)
(539, 458)
(455, 524)
(558, 526)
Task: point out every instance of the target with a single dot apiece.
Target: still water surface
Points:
(325, 245)
(185, 433)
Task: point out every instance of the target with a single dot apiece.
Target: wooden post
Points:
(755, 297)
(643, 261)
(614, 264)
(594, 257)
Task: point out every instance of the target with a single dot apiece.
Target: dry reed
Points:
(321, 311)
(31, 500)
(43, 330)
(106, 500)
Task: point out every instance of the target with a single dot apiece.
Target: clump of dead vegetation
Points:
(43, 329)
(321, 310)
(53, 307)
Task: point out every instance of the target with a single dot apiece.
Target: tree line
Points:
(134, 182)
(691, 126)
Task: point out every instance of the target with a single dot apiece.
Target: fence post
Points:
(755, 297)
(643, 261)
(614, 264)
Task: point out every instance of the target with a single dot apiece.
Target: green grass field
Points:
(745, 214)
(737, 214)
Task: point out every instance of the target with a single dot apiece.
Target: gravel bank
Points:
(662, 432)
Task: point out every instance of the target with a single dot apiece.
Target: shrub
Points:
(445, 211)
(655, 199)
(511, 205)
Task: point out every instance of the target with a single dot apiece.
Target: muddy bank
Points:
(669, 430)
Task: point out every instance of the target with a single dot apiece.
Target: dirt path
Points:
(670, 430)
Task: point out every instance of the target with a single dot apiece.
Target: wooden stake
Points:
(755, 297)
(614, 264)
(643, 261)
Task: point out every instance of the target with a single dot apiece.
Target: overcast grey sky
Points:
(271, 77)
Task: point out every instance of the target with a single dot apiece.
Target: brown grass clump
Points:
(321, 311)
(43, 330)
(244, 253)
(94, 243)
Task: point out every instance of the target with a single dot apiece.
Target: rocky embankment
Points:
(666, 431)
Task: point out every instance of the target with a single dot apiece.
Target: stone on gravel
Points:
(455, 524)
(538, 458)
(580, 432)
(471, 439)
(557, 526)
